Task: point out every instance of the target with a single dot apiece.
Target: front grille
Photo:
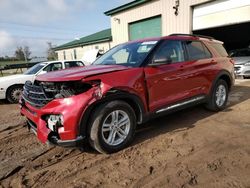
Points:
(41, 93)
(35, 95)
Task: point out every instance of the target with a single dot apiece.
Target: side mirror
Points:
(160, 61)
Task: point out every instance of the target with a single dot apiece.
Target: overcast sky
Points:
(36, 22)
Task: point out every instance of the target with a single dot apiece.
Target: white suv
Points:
(11, 86)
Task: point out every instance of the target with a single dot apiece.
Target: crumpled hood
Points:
(241, 60)
(79, 73)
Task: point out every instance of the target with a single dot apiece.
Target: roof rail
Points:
(191, 35)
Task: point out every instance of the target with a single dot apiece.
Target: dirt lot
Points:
(193, 147)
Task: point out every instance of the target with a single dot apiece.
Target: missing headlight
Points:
(64, 89)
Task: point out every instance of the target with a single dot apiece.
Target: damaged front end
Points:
(54, 109)
(41, 93)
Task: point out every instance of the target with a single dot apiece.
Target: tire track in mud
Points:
(17, 147)
(41, 170)
(190, 148)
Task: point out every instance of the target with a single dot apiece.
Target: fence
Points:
(17, 67)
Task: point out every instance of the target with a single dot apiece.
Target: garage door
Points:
(221, 13)
(145, 28)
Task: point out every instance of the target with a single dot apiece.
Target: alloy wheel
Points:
(115, 127)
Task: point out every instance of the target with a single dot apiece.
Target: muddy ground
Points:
(190, 148)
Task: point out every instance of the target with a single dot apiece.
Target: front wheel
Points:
(14, 93)
(112, 127)
(218, 99)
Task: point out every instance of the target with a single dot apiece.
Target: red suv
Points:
(131, 83)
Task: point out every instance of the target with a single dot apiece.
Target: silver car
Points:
(242, 62)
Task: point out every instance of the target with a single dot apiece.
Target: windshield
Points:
(129, 54)
(240, 53)
(35, 68)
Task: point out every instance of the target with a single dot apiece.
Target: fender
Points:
(227, 77)
(113, 94)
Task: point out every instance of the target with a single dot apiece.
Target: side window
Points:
(207, 52)
(69, 64)
(220, 49)
(196, 50)
(53, 67)
(170, 50)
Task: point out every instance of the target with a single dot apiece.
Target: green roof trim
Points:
(125, 7)
(101, 36)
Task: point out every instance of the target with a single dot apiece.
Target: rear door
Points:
(199, 64)
(182, 77)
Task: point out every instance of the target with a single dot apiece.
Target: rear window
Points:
(196, 50)
(69, 64)
(220, 49)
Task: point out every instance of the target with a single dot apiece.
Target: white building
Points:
(226, 20)
(76, 49)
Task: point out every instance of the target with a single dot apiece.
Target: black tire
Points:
(14, 93)
(103, 113)
(245, 77)
(212, 104)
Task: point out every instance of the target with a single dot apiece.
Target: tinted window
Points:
(196, 50)
(69, 64)
(220, 49)
(170, 50)
(207, 52)
(53, 67)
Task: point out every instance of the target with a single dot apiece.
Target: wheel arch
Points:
(224, 75)
(133, 100)
(11, 86)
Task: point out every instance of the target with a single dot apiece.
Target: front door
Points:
(171, 80)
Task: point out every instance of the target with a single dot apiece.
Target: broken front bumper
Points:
(72, 110)
(54, 139)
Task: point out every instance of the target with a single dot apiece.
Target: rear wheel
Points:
(14, 93)
(112, 127)
(218, 99)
